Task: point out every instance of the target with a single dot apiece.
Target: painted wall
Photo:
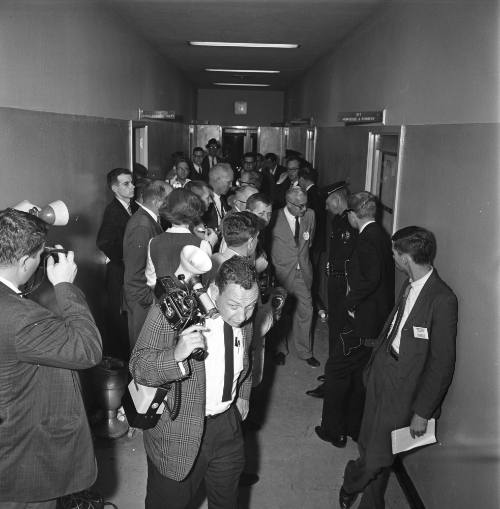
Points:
(217, 106)
(426, 62)
(79, 58)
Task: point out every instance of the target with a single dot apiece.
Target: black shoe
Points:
(319, 392)
(338, 441)
(279, 359)
(313, 362)
(248, 479)
(321, 378)
(346, 499)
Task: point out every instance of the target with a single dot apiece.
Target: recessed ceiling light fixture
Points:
(244, 44)
(244, 71)
(242, 84)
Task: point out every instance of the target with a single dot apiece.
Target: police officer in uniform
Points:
(342, 241)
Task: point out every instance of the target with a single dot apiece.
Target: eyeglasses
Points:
(298, 205)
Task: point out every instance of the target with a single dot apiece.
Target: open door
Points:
(383, 165)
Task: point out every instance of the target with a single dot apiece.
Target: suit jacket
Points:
(205, 165)
(285, 255)
(419, 380)
(269, 181)
(173, 445)
(194, 175)
(110, 235)
(45, 443)
(139, 231)
(370, 278)
(211, 217)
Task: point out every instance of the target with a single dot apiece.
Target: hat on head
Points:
(212, 141)
(336, 186)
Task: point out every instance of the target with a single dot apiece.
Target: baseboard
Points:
(407, 485)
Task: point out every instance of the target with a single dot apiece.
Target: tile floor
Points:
(296, 469)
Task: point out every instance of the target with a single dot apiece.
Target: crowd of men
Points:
(269, 230)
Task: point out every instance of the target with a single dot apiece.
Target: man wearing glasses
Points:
(292, 236)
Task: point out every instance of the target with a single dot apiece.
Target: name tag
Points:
(420, 332)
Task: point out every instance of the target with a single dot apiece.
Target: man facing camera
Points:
(205, 441)
(410, 370)
(43, 425)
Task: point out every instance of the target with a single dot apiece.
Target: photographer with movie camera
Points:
(205, 441)
(43, 425)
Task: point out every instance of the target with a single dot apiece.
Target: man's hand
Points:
(189, 339)
(64, 271)
(242, 405)
(211, 236)
(418, 426)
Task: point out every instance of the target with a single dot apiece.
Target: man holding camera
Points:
(205, 441)
(45, 444)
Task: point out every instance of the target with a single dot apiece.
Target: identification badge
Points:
(420, 332)
(305, 235)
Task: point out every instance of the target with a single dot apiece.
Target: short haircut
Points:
(198, 149)
(252, 178)
(196, 186)
(182, 160)
(140, 172)
(250, 154)
(256, 198)
(295, 192)
(219, 168)
(154, 189)
(417, 242)
(294, 158)
(21, 234)
(182, 207)
(363, 204)
(271, 156)
(308, 173)
(238, 227)
(243, 193)
(237, 270)
(112, 176)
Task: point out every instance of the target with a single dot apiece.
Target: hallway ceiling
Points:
(317, 25)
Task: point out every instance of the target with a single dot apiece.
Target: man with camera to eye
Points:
(205, 441)
(45, 443)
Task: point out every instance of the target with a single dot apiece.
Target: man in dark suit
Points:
(271, 172)
(291, 238)
(205, 441)
(45, 443)
(286, 180)
(110, 242)
(212, 158)
(142, 227)
(410, 370)
(220, 180)
(196, 165)
(369, 299)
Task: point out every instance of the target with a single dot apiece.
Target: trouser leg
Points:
(373, 494)
(302, 318)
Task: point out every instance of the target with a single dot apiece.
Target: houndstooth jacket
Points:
(173, 445)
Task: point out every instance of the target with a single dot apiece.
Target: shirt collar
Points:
(176, 228)
(150, 212)
(10, 284)
(419, 283)
(124, 203)
(365, 225)
(289, 215)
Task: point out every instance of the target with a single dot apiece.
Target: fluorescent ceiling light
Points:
(245, 71)
(244, 44)
(242, 84)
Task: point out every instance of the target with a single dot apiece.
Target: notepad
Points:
(402, 440)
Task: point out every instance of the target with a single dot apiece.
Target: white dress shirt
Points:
(415, 289)
(365, 225)
(8, 283)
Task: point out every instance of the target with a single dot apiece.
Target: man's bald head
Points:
(220, 178)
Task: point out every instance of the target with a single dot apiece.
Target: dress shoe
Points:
(248, 479)
(319, 392)
(279, 359)
(346, 499)
(321, 378)
(313, 362)
(338, 440)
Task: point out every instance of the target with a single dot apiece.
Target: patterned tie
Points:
(296, 235)
(399, 317)
(129, 208)
(227, 392)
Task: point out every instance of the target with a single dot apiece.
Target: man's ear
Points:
(23, 263)
(214, 291)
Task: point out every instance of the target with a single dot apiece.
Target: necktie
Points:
(129, 208)
(227, 392)
(399, 317)
(297, 231)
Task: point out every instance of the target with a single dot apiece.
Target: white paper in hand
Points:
(402, 440)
